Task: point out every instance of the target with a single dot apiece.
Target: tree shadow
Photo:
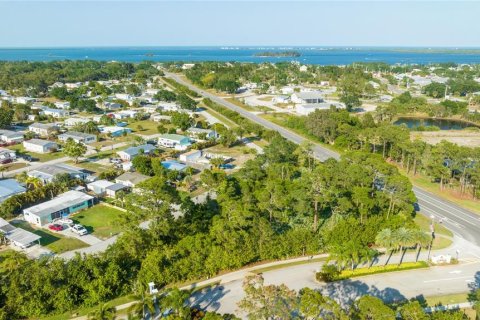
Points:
(208, 298)
(347, 291)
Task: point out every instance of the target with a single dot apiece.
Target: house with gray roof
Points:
(40, 146)
(85, 138)
(9, 136)
(176, 141)
(48, 172)
(130, 153)
(60, 207)
(10, 187)
(308, 97)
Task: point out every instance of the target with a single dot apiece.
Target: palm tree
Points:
(142, 308)
(385, 239)
(175, 300)
(33, 182)
(404, 238)
(422, 239)
(104, 312)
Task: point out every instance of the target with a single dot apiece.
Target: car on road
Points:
(55, 227)
(79, 229)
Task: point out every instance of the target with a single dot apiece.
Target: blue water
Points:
(321, 56)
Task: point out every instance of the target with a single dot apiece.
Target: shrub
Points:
(329, 273)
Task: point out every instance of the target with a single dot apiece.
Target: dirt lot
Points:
(460, 137)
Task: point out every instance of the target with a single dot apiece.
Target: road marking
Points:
(456, 271)
(447, 279)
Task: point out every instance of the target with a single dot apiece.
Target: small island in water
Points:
(278, 54)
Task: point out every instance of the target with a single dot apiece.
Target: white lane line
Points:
(445, 220)
(473, 224)
(447, 279)
(447, 204)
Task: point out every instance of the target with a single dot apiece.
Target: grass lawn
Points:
(55, 242)
(149, 127)
(100, 220)
(424, 224)
(447, 299)
(14, 166)
(451, 195)
(240, 104)
(85, 311)
(42, 157)
(90, 166)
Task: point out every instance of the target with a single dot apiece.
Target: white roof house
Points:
(6, 154)
(43, 129)
(306, 109)
(10, 187)
(308, 97)
(70, 122)
(40, 146)
(57, 208)
(199, 132)
(176, 141)
(160, 117)
(105, 187)
(56, 113)
(9, 136)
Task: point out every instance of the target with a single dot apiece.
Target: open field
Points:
(449, 194)
(13, 166)
(55, 242)
(467, 138)
(100, 220)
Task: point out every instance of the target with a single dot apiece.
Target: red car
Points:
(55, 227)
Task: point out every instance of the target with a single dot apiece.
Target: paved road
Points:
(34, 166)
(462, 222)
(390, 287)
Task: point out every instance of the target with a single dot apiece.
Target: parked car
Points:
(55, 227)
(227, 166)
(79, 229)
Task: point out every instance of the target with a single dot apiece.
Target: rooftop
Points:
(173, 136)
(43, 125)
(54, 169)
(63, 201)
(132, 151)
(133, 177)
(39, 142)
(75, 134)
(9, 187)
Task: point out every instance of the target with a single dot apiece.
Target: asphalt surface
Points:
(462, 222)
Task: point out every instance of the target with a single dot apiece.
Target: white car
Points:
(79, 229)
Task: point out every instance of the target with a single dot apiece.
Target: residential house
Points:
(9, 136)
(56, 113)
(175, 141)
(190, 156)
(203, 134)
(160, 118)
(187, 66)
(130, 153)
(281, 99)
(7, 155)
(168, 106)
(62, 104)
(174, 165)
(306, 109)
(43, 129)
(115, 131)
(17, 236)
(24, 100)
(48, 172)
(10, 187)
(106, 188)
(85, 138)
(40, 146)
(57, 208)
(131, 179)
(310, 97)
(74, 85)
(71, 122)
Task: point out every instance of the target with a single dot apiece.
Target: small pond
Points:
(443, 124)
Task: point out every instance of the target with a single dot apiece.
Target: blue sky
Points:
(237, 23)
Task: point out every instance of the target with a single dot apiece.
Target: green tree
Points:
(74, 149)
(104, 312)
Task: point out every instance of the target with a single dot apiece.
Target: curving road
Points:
(462, 222)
